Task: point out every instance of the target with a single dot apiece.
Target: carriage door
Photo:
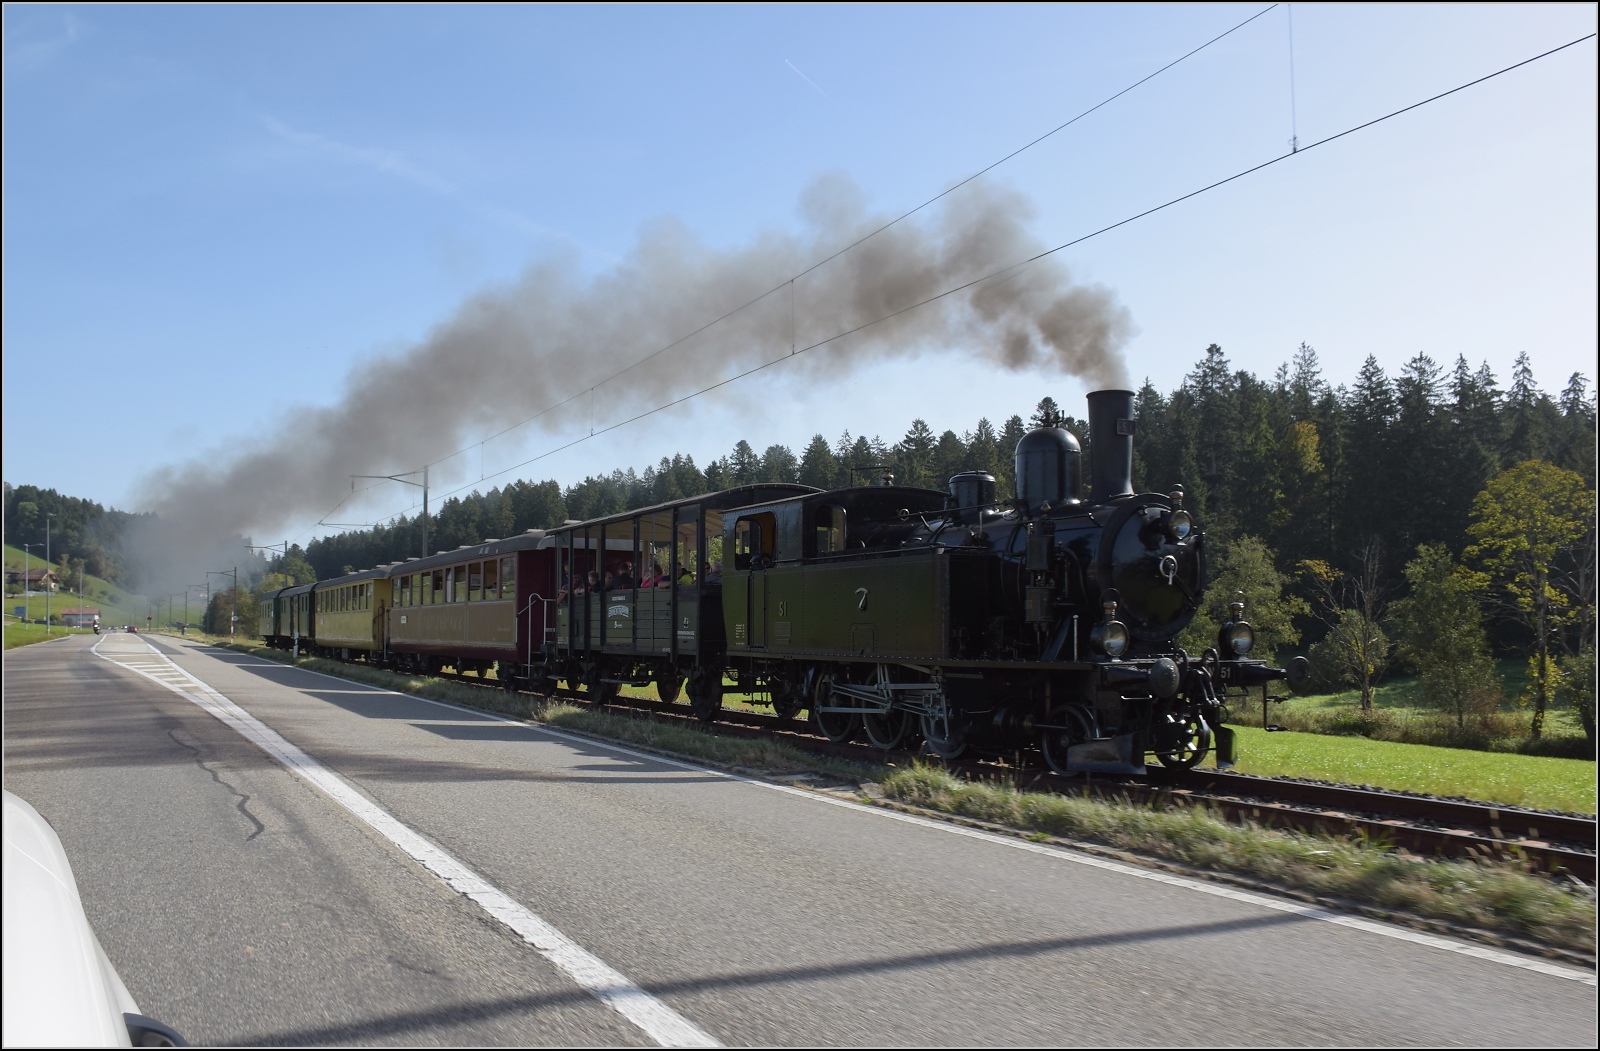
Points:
(753, 551)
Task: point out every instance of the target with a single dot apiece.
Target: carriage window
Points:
(491, 580)
(437, 594)
(402, 588)
(713, 559)
(655, 551)
(508, 576)
(688, 544)
(475, 582)
(830, 530)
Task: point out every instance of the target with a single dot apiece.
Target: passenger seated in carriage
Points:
(623, 580)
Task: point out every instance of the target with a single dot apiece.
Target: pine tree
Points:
(1047, 413)
(1217, 429)
(744, 464)
(1526, 436)
(778, 464)
(1575, 441)
(818, 466)
(1372, 489)
(1417, 444)
(949, 457)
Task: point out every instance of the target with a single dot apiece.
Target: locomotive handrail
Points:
(544, 620)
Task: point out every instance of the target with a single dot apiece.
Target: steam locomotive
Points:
(890, 611)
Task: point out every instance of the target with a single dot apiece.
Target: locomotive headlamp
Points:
(1179, 524)
(1241, 637)
(1110, 636)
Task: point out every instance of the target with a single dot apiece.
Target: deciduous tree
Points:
(1526, 524)
(1352, 605)
(1441, 632)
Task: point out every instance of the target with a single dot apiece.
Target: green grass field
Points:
(1403, 715)
(1495, 777)
(117, 605)
(19, 634)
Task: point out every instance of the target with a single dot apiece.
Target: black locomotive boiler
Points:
(899, 611)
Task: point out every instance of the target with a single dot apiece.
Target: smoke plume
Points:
(511, 352)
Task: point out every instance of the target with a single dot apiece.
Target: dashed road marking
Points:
(658, 1021)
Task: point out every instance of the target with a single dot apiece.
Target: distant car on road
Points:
(60, 989)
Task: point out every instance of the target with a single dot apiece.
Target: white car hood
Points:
(60, 989)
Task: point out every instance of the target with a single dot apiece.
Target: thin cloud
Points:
(381, 161)
(31, 55)
(808, 80)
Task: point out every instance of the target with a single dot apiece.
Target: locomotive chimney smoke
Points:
(1111, 429)
(513, 351)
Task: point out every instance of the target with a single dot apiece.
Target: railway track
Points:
(1555, 843)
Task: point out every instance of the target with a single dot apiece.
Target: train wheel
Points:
(1054, 743)
(787, 700)
(668, 686)
(837, 727)
(945, 734)
(1187, 739)
(705, 693)
(889, 730)
(600, 693)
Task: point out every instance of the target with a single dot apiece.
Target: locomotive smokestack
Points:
(1111, 429)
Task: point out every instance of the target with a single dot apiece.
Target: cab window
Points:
(752, 541)
(829, 530)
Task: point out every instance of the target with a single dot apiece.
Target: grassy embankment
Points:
(117, 605)
(1501, 898)
(1402, 715)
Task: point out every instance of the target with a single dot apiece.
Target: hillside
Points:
(117, 605)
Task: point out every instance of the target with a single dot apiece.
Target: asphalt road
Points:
(242, 904)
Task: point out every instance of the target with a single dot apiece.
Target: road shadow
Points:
(463, 1013)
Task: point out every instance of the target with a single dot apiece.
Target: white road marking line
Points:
(1217, 890)
(658, 1021)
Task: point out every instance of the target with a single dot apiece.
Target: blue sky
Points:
(217, 215)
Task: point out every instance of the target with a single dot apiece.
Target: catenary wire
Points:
(1013, 267)
(858, 241)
